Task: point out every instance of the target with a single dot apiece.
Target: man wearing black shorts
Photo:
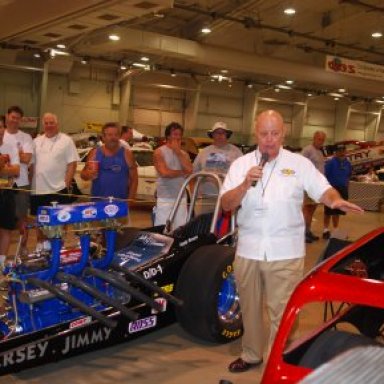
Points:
(9, 169)
(338, 171)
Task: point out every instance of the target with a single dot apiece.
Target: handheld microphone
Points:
(263, 161)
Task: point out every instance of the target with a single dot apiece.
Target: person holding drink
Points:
(111, 167)
(9, 169)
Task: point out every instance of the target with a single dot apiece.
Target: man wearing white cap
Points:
(215, 158)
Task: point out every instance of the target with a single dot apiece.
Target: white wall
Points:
(89, 95)
(92, 102)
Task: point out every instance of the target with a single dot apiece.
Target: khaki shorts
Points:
(308, 200)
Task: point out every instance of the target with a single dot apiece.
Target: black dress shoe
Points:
(308, 240)
(311, 236)
(326, 235)
(239, 365)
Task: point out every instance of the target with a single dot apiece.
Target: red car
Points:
(350, 287)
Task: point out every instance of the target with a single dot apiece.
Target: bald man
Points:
(271, 232)
(314, 153)
(54, 165)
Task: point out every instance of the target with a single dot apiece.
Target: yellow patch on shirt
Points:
(287, 172)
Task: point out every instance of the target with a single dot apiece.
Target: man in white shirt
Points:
(9, 169)
(54, 165)
(271, 238)
(25, 148)
(126, 136)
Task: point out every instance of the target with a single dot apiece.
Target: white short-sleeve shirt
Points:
(52, 156)
(270, 219)
(9, 147)
(24, 142)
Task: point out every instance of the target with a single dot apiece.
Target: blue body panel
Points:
(81, 213)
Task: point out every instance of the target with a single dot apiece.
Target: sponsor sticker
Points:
(63, 216)
(80, 322)
(142, 324)
(43, 218)
(111, 210)
(168, 288)
(163, 304)
(89, 213)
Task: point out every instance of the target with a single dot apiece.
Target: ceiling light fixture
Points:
(283, 86)
(37, 55)
(335, 94)
(289, 11)
(61, 46)
(144, 58)
(377, 35)
(173, 74)
(221, 78)
(56, 52)
(114, 37)
(289, 81)
(206, 29)
(146, 67)
(84, 60)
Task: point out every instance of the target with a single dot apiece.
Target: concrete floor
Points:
(170, 356)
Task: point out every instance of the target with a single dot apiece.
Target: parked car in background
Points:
(146, 187)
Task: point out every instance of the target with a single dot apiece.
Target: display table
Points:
(368, 196)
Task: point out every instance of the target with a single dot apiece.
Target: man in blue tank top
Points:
(111, 167)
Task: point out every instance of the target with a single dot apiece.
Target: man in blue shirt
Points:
(338, 171)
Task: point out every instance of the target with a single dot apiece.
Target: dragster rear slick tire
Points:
(211, 308)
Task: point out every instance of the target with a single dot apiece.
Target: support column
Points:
(299, 114)
(342, 114)
(44, 90)
(125, 97)
(378, 121)
(250, 105)
(192, 100)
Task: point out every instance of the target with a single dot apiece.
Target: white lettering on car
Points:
(26, 353)
(153, 271)
(84, 339)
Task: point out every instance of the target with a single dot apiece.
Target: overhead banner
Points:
(354, 68)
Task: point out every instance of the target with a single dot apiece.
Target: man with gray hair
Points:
(314, 153)
(55, 162)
